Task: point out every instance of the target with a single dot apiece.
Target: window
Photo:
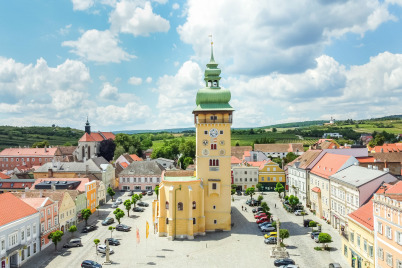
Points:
(12, 239)
(22, 255)
(157, 179)
(358, 240)
(34, 248)
(214, 207)
(388, 232)
(389, 259)
(262, 178)
(29, 251)
(206, 132)
(180, 206)
(194, 205)
(146, 180)
(245, 179)
(365, 245)
(167, 220)
(22, 235)
(55, 221)
(135, 179)
(42, 227)
(215, 221)
(55, 209)
(221, 132)
(214, 117)
(379, 227)
(213, 162)
(371, 251)
(34, 229)
(194, 221)
(213, 146)
(41, 214)
(245, 172)
(398, 237)
(214, 186)
(345, 250)
(49, 224)
(3, 245)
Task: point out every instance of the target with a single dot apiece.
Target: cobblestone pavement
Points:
(243, 246)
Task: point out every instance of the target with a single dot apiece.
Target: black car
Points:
(313, 234)
(90, 264)
(280, 262)
(138, 209)
(108, 221)
(113, 241)
(123, 227)
(143, 204)
(256, 210)
(89, 228)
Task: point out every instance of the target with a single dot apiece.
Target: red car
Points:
(259, 216)
(263, 219)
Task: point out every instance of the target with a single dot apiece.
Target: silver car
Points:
(102, 249)
(115, 205)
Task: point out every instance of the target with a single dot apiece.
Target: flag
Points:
(147, 230)
(138, 236)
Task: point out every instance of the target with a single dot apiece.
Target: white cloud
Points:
(131, 114)
(137, 18)
(136, 81)
(65, 30)
(109, 92)
(98, 46)
(149, 79)
(278, 37)
(82, 4)
(162, 2)
(175, 6)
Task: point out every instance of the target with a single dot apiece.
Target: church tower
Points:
(213, 119)
(87, 127)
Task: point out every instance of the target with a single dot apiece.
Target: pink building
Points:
(25, 157)
(387, 223)
(49, 218)
(140, 176)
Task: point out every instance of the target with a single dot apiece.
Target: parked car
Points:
(115, 205)
(113, 241)
(143, 204)
(299, 212)
(248, 201)
(130, 193)
(271, 234)
(263, 219)
(316, 238)
(102, 249)
(75, 242)
(150, 193)
(238, 192)
(265, 224)
(119, 201)
(270, 240)
(144, 193)
(306, 222)
(256, 210)
(290, 266)
(107, 221)
(90, 264)
(255, 203)
(335, 265)
(123, 227)
(280, 262)
(138, 209)
(259, 216)
(89, 228)
(313, 234)
(268, 229)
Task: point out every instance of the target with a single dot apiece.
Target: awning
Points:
(316, 189)
(11, 250)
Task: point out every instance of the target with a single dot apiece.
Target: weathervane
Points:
(210, 36)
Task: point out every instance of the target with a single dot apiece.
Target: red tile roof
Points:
(4, 176)
(329, 164)
(37, 202)
(12, 209)
(136, 157)
(394, 189)
(364, 215)
(368, 159)
(316, 189)
(19, 152)
(123, 164)
(235, 160)
(387, 148)
(97, 136)
(16, 185)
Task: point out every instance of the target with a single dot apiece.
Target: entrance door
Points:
(148, 188)
(3, 264)
(14, 260)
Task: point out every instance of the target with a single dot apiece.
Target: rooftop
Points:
(279, 148)
(364, 215)
(12, 209)
(357, 176)
(19, 152)
(330, 164)
(143, 168)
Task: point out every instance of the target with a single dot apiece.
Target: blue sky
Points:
(138, 64)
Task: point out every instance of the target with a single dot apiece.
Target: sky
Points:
(137, 64)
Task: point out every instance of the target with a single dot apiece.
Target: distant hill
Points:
(170, 130)
(26, 136)
(298, 124)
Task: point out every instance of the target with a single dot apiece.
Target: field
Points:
(373, 126)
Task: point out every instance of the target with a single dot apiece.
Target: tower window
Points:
(214, 117)
(215, 83)
(221, 132)
(180, 206)
(206, 132)
(214, 207)
(194, 221)
(167, 205)
(194, 205)
(213, 162)
(167, 220)
(215, 221)
(213, 186)
(213, 146)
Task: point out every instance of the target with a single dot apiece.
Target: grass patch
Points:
(318, 248)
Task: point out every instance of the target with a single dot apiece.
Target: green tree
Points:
(96, 241)
(232, 191)
(187, 161)
(111, 192)
(260, 198)
(259, 187)
(312, 224)
(157, 192)
(41, 144)
(72, 229)
(106, 149)
(118, 152)
(118, 214)
(140, 196)
(67, 144)
(293, 201)
(250, 191)
(283, 233)
(55, 237)
(111, 229)
(274, 224)
(290, 157)
(86, 213)
(274, 130)
(325, 239)
(127, 203)
(279, 188)
(265, 208)
(134, 199)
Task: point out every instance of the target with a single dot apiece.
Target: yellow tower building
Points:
(193, 205)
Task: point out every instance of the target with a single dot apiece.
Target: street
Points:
(243, 246)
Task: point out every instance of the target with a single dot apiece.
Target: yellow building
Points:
(269, 175)
(210, 188)
(358, 241)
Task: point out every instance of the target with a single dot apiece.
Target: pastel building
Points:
(140, 175)
(191, 205)
(245, 177)
(269, 174)
(25, 157)
(279, 150)
(19, 231)
(388, 226)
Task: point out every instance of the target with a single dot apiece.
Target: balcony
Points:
(209, 121)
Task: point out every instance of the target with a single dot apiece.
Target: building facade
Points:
(19, 231)
(245, 177)
(279, 150)
(140, 175)
(25, 157)
(269, 174)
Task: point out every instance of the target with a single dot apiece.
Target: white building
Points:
(279, 150)
(245, 177)
(331, 135)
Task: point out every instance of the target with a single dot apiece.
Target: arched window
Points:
(167, 205)
(194, 205)
(180, 206)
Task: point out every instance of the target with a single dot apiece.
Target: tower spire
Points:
(212, 50)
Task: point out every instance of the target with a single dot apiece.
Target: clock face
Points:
(213, 133)
(205, 152)
(222, 142)
(205, 142)
(222, 152)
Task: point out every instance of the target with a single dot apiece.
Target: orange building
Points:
(90, 189)
(387, 224)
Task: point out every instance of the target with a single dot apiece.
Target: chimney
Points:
(382, 150)
(50, 173)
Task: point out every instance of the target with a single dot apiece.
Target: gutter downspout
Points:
(175, 211)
